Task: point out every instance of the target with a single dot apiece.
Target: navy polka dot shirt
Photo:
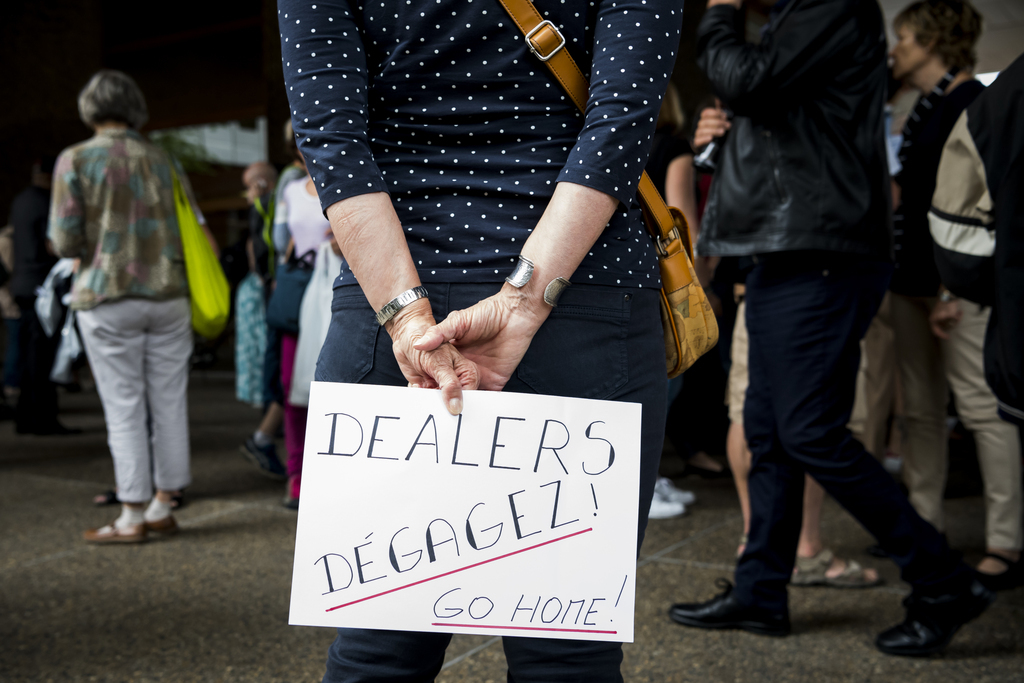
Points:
(441, 104)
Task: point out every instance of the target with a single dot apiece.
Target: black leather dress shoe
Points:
(725, 611)
(933, 621)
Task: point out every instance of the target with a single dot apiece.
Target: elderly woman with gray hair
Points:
(113, 207)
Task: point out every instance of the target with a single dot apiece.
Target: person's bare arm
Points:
(369, 233)
(680, 191)
(496, 332)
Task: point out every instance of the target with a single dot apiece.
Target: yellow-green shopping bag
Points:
(207, 285)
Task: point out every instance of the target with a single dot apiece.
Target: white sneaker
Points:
(667, 490)
(662, 508)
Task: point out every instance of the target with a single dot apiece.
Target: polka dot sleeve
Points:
(442, 101)
(635, 44)
(325, 78)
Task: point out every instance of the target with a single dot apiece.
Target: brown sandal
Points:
(165, 526)
(812, 571)
(136, 533)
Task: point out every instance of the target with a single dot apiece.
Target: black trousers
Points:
(601, 342)
(37, 404)
(806, 315)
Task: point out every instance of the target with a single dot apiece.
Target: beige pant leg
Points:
(739, 376)
(926, 395)
(876, 383)
(997, 441)
(859, 414)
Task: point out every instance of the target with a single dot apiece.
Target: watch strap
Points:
(392, 307)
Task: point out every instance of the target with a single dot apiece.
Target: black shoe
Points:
(933, 621)
(1006, 580)
(725, 611)
(265, 458)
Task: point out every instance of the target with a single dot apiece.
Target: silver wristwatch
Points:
(392, 307)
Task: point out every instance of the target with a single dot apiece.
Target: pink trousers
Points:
(294, 416)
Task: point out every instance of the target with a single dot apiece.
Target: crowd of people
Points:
(863, 257)
(802, 191)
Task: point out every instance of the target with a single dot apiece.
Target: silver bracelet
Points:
(554, 290)
(399, 302)
(522, 273)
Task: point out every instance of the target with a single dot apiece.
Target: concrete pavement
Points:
(211, 603)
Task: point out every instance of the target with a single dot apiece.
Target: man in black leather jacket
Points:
(802, 186)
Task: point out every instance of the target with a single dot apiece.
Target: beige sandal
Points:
(812, 571)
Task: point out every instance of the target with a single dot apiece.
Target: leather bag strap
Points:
(548, 45)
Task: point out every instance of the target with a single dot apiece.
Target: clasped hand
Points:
(492, 336)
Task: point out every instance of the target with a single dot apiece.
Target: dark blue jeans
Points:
(806, 315)
(601, 343)
(272, 390)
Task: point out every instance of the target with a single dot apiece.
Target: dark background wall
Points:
(197, 61)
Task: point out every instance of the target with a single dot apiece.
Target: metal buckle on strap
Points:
(536, 29)
(662, 243)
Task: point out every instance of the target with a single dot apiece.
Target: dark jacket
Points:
(32, 261)
(914, 273)
(804, 164)
(977, 221)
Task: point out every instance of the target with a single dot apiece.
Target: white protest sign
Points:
(516, 518)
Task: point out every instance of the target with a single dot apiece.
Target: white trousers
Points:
(139, 352)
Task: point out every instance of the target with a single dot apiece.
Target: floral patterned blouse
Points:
(113, 207)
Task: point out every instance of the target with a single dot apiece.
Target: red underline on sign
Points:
(461, 569)
(527, 628)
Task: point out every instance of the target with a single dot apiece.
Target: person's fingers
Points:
(430, 340)
(467, 371)
(713, 115)
(454, 326)
(712, 125)
(443, 371)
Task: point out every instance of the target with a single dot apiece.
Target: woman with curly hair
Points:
(939, 338)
